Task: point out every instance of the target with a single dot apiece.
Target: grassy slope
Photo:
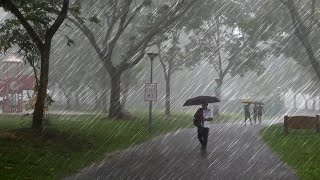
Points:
(300, 149)
(71, 142)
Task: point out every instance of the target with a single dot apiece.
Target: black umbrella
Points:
(199, 100)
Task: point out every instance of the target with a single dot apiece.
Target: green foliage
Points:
(12, 34)
(76, 7)
(148, 3)
(69, 40)
(95, 19)
(40, 13)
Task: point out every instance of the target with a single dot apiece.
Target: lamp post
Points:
(151, 56)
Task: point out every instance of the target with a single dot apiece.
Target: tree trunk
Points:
(115, 105)
(96, 99)
(96, 102)
(318, 103)
(77, 98)
(218, 91)
(124, 96)
(68, 96)
(295, 101)
(218, 94)
(305, 102)
(53, 90)
(168, 94)
(44, 49)
(38, 114)
(104, 97)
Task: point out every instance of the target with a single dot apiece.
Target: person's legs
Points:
(205, 137)
(247, 116)
(200, 135)
(245, 119)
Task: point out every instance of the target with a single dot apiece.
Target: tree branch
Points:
(87, 32)
(160, 26)
(125, 10)
(164, 66)
(112, 19)
(215, 67)
(226, 70)
(313, 20)
(303, 33)
(57, 23)
(124, 23)
(126, 65)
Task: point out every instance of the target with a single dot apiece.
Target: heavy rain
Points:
(159, 89)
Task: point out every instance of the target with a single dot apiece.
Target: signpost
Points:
(150, 92)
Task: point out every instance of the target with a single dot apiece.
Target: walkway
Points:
(234, 151)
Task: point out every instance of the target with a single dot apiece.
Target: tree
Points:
(129, 80)
(172, 58)
(294, 26)
(40, 31)
(172, 53)
(232, 44)
(303, 28)
(125, 36)
(74, 71)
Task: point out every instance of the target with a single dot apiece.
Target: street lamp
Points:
(151, 56)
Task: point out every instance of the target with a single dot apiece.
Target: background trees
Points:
(125, 33)
(172, 59)
(230, 41)
(232, 36)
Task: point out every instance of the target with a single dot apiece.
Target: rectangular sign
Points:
(150, 92)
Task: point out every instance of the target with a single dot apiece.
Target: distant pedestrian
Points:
(255, 113)
(247, 113)
(260, 113)
(204, 115)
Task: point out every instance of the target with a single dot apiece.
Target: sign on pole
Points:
(150, 93)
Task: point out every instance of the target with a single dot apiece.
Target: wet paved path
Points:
(234, 151)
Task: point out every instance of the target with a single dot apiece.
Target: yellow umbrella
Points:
(247, 101)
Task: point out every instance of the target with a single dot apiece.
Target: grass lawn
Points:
(300, 149)
(72, 142)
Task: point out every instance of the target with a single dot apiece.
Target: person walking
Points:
(255, 113)
(204, 115)
(247, 113)
(260, 113)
